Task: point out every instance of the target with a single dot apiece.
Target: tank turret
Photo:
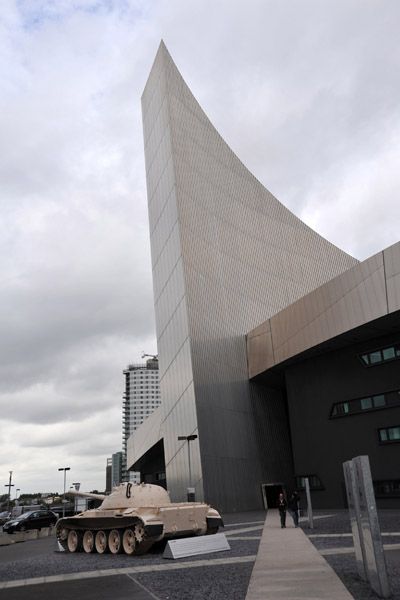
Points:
(132, 518)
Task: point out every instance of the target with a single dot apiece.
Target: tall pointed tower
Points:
(226, 255)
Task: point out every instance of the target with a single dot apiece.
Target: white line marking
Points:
(215, 562)
(244, 530)
(328, 551)
(143, 587)
(315, 517)
(241, 524)
(337, 535)
(244, 537)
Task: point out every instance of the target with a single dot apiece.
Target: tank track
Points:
(144, 546)
(212, 530)
(141, 548)
(63, 543)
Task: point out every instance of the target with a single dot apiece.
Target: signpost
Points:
(9, 485)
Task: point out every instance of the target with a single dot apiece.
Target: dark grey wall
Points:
(321, 444)
(150, 468)
(245, 440)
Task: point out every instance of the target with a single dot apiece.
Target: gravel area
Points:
(216, 583)
(212, 582)
(60, 563)
(337, 522)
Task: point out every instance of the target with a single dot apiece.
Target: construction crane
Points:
(154, 356)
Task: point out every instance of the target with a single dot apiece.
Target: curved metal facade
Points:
(368, 291)
(226, 256)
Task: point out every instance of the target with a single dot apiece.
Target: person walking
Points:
(282, 505)
(294, 508)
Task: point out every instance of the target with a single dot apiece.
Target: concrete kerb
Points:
(4, 539)
(44, 532)
(24, 536)
(289, 566)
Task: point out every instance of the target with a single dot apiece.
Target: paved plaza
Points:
(219, 575)
(291, 563)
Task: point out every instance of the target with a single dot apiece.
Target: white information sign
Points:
(193, 546)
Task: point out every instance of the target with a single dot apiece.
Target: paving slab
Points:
(289, 566)
(122, 587)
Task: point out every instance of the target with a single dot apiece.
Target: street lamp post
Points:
(16, 503)
(188, 439)
(76, 486)
(65, 469)
(9, 485)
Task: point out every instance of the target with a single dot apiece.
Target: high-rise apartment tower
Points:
(141, 398)
(116, 468)
(109, 475)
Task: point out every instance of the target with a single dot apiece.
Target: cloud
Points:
(305, 96)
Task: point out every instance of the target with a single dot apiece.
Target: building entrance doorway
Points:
(270, 493)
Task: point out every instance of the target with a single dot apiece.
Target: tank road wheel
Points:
(128, 541)
(88, 542)
(63, 534)
(74, 541)
(139, 532)
(100, 542)
(114, 541)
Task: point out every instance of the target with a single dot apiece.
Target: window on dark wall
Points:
(389, 434)
(359, 405)
(387, 489)
(339, 409)
(313, 480)
(376, 357)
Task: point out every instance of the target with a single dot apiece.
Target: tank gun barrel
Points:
(74, 492)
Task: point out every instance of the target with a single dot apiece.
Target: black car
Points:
(35, 519)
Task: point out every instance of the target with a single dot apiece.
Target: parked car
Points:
(4, 516)
(31, 520)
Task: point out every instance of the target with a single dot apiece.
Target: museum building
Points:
(279, 353)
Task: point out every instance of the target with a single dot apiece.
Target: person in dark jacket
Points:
(282, 505)
(294, 508)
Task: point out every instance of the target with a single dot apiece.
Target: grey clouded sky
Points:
(306, 92)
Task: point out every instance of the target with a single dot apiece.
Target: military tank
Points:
(133, 518)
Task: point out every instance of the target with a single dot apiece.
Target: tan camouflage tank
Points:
(132, 518)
